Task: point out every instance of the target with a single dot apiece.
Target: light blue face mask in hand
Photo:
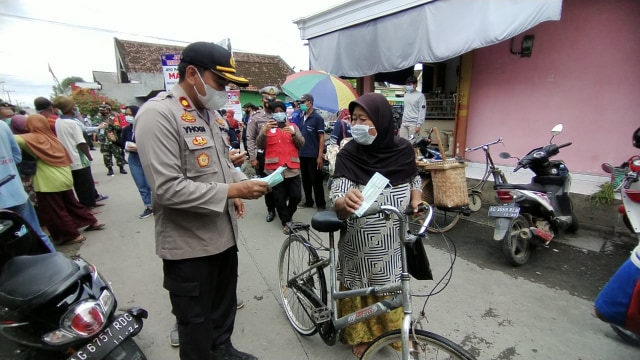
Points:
(361, 134)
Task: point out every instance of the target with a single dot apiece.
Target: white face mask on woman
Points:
(212, 98)
(360, 133)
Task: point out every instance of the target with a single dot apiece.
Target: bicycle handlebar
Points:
(481, 146)
(376, 208)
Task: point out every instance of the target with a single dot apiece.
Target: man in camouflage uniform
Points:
(109, 139)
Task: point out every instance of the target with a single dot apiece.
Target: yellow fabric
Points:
(48, 178)
(366, 331)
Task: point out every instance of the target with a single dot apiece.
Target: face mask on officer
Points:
(212, 99)
(129, 119)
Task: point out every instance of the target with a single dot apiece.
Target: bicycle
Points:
(475, 192)
(303, 291)
(444, 218)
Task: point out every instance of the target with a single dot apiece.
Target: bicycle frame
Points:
(400, 299)
(490, 169)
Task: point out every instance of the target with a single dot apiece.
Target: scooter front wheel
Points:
(626, 335)
(516, 244)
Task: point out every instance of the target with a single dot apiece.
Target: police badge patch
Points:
(187, 117)
(203, 160)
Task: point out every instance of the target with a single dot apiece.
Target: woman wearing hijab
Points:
(372, 239)
(58, 208)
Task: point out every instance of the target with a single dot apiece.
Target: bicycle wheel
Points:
(296, 255)
(425, 345)
(443, 219)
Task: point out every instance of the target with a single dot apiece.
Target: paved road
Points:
(539, 311)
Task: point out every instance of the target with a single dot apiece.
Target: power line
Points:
(84, 27)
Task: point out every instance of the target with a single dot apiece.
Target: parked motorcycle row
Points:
(53, 306)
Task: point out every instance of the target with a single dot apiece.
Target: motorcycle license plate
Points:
(504, 211)
(121, 327)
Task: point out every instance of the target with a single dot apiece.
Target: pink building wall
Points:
(584, 72)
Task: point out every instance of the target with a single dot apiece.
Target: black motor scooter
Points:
(53, 306)
(531, 214)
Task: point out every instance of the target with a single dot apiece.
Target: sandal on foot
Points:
(94, 227)
(72, 241)
(102, 197)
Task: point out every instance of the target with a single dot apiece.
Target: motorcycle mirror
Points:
(505, 155)
(555, 131)
(636, 138)
(608, 168)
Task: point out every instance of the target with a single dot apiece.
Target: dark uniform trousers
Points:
(202, 291)
(312, 182)
(269, 199)
(287, 196)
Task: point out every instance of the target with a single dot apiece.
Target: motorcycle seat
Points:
(31, 280)
(531, 187)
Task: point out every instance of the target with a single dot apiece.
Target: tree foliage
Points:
(88, 100)
(65, 85)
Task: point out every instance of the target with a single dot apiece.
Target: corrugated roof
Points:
(261, 70)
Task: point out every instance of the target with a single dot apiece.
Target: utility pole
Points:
(8, 94)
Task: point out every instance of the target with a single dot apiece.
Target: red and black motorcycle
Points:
(617, 291)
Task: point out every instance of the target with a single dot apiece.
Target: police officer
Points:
(256, 155)
(196, 199)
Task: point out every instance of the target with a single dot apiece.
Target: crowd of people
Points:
(184, 158)
(50, 153)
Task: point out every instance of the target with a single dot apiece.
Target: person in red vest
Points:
(281, 141)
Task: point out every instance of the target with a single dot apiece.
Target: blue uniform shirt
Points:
(310, 127)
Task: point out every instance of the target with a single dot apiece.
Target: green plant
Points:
(604, 196)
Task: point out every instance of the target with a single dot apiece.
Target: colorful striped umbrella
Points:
(330, 93)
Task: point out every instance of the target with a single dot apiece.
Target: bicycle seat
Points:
(327, 221)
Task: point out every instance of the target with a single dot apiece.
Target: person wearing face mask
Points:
(248, 110)
(373, 149)
(312, 154)
(256, 154)
(110, 139)
(70, 134)
(197, 193)
(281, 141)
(135, 167)
(414, 110)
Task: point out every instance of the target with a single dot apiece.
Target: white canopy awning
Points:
(431, 32)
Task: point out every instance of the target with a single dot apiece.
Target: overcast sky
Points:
(76, 37)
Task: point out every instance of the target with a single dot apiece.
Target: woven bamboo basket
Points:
(449, 179)
(450, 187)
